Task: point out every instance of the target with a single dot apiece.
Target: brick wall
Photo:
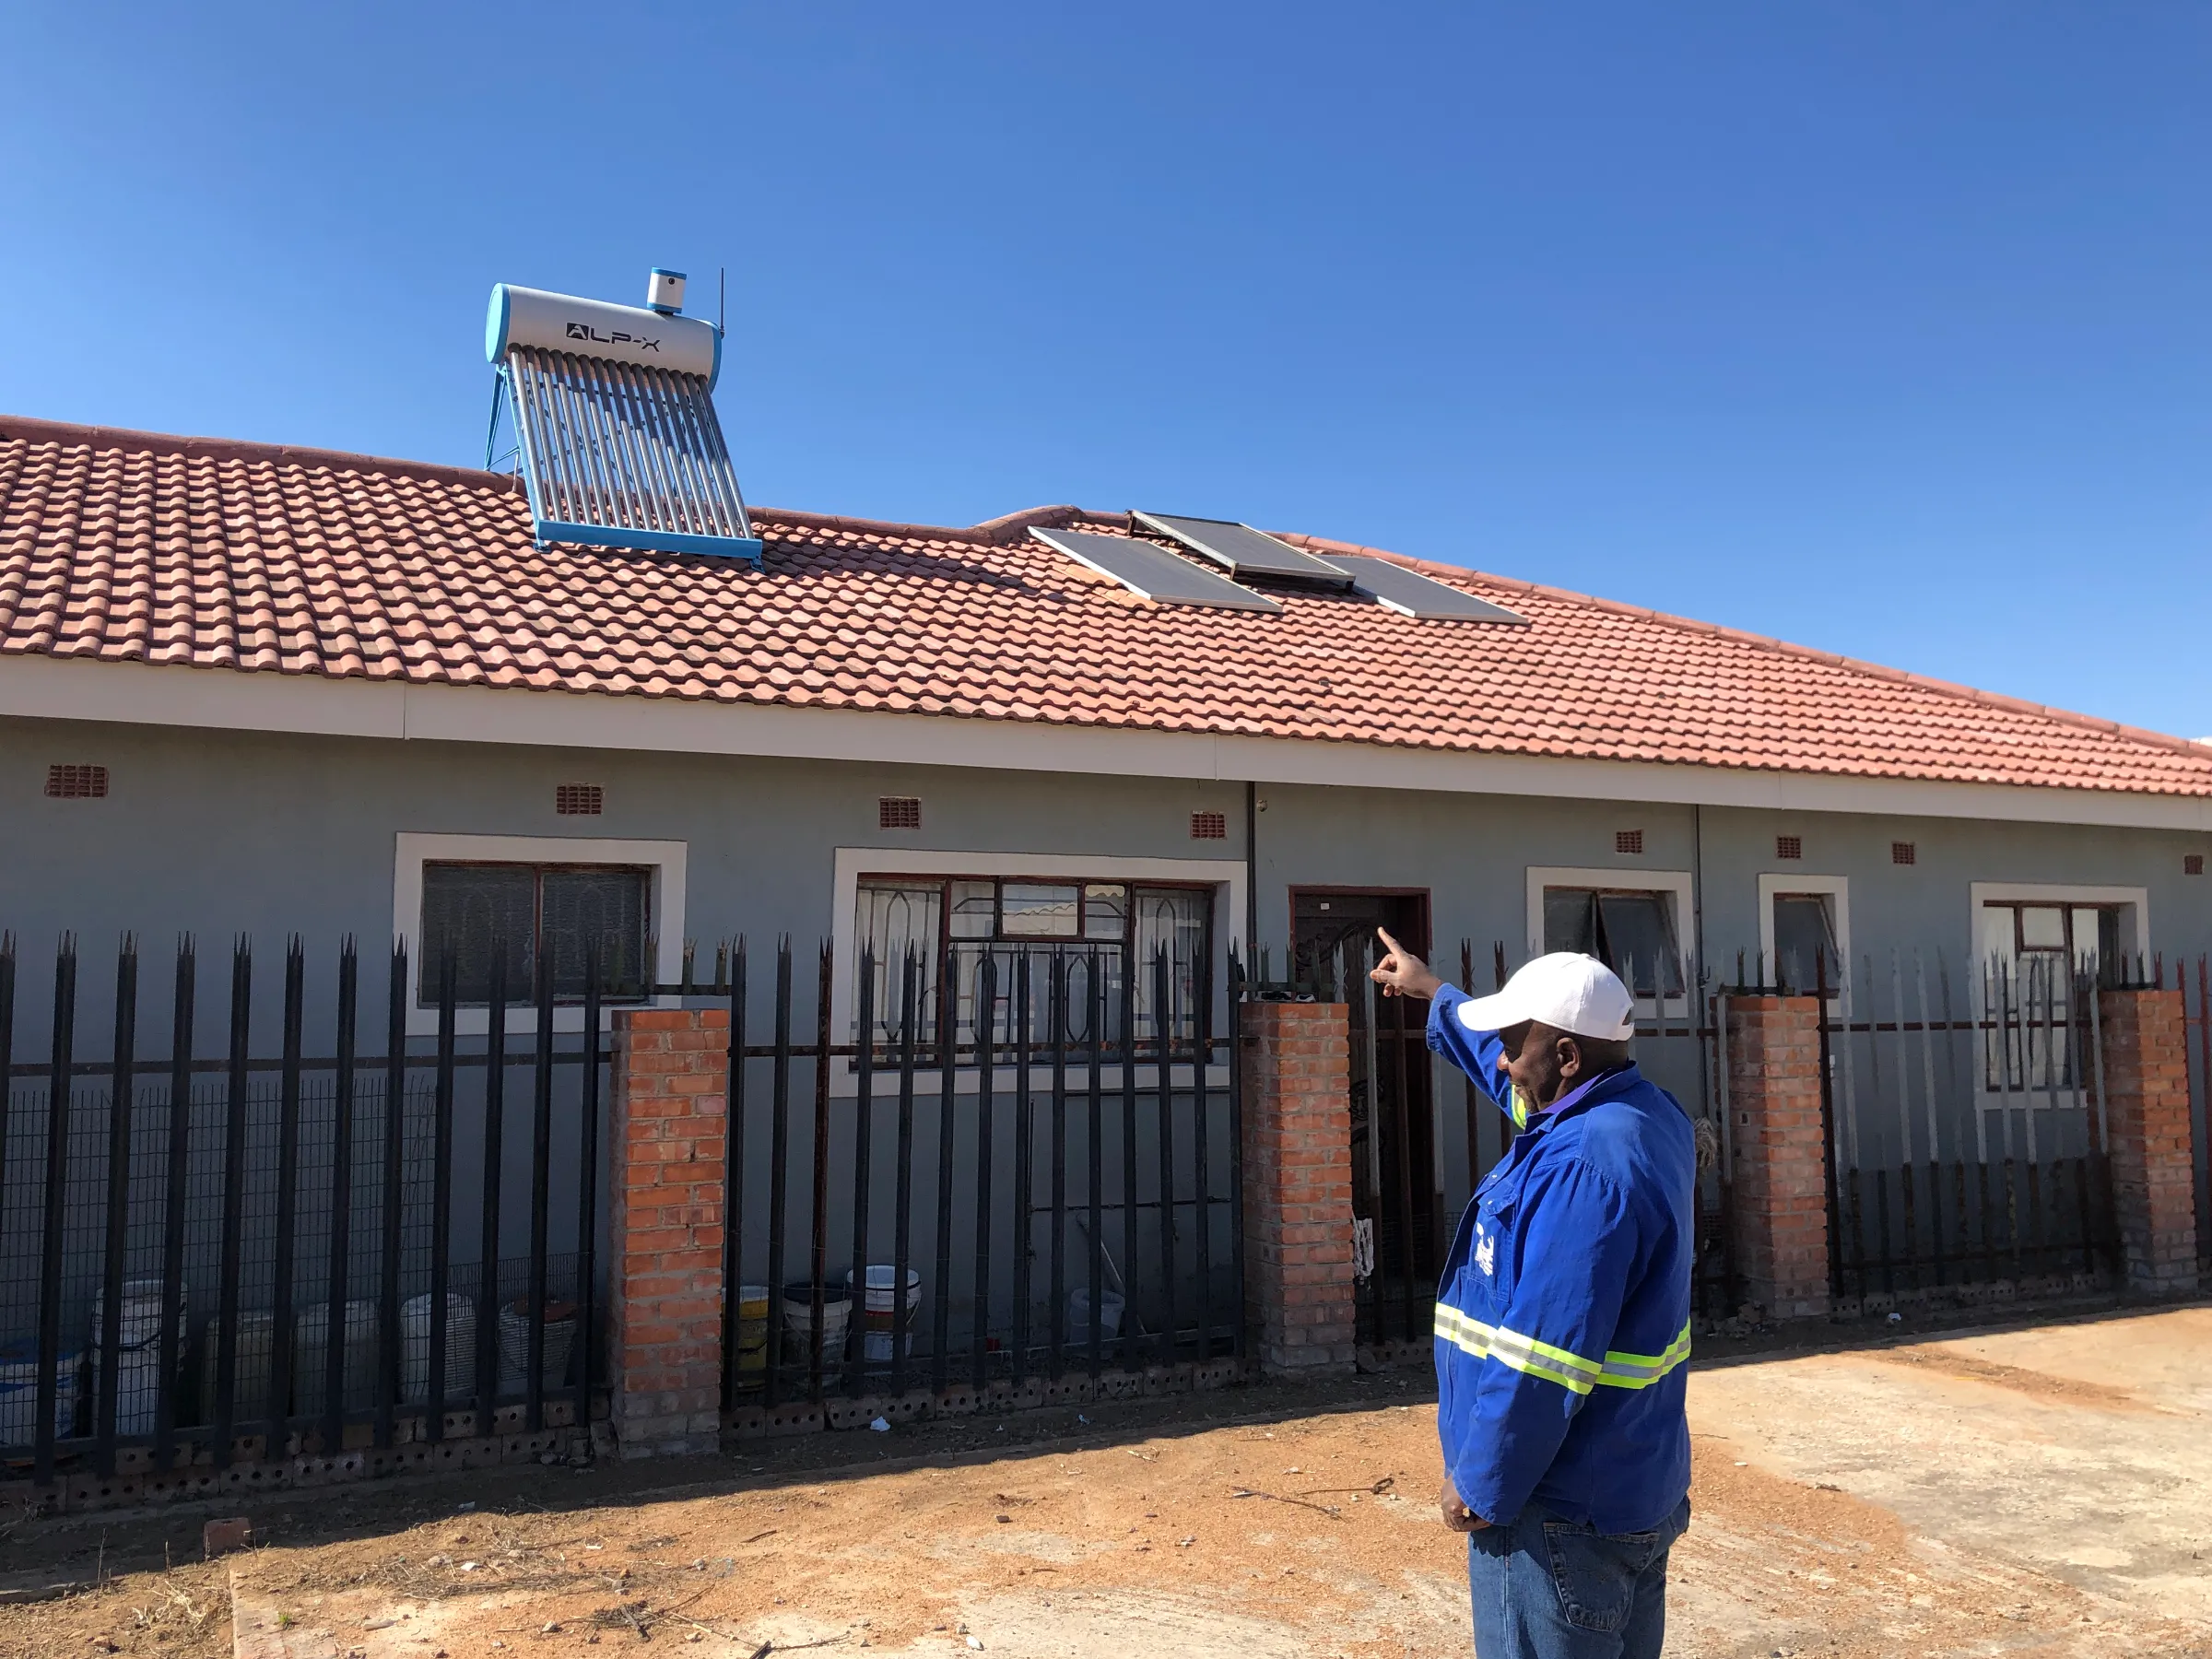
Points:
(2147, 1119)
(664, 1300)
(1297, 1187)
(1780, 1176)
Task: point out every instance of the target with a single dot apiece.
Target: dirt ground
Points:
(2032, 1490)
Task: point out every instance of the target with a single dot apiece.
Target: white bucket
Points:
(415, 1348)
(514, 1346)
(311, 1357)
(876, 1314)
(138, 1350)
(252, 1368)
(1110, 1305)
(20, 1394)
(798, 1324)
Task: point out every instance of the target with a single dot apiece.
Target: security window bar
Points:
(578, 800)
(953, 924)
(2041, 955)
(1632, 932)
(76, 781)
(528, 914)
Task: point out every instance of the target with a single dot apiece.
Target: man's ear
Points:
(1569, 1056)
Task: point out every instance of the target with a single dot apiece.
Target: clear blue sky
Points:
(1884, 327)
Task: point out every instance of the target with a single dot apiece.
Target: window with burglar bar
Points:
(1071, 952)
(522, 914)
(1630, 930)
(2032, 988)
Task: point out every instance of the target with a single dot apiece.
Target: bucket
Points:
(415, 1348)
(1111, 1304)
(514, 1346)
(877, 1316)
(798, 1323)
(311, 1357)
(20, 1394)
(752, 1329)
(252, 1370)
(138, 1350)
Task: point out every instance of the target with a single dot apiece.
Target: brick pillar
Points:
(1779, 1197)
(2147, 1126)
(1297, 1187)
(664, 1297)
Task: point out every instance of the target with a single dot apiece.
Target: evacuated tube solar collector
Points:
(614, 411)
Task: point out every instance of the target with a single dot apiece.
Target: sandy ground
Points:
(2037, 1490)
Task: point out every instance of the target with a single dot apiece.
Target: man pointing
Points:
(1562, 1317)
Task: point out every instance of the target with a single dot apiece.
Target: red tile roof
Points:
(129, 547)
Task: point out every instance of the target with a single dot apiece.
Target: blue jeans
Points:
(1547, 1588)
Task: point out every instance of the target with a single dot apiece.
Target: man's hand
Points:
(1401, 973)
(1457, 1515)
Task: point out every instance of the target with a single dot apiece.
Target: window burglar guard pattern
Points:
(1789, 846)
(1209, 826)
(960, 922)
(75, 782)
(1632, 932)
(578, 800)
(1903, 852)
(899, 812)
(1629, 841)
(518, 915)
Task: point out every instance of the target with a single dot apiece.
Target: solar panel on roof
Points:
(1154, 572)
(614, 413)
(1413, 594)
(1243, 551)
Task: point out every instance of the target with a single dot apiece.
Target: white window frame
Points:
(1838, 890)
(1678, 882)
(2134, 936)
(665, 859)
(1225, 876)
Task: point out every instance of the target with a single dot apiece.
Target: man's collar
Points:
(1579, 1092)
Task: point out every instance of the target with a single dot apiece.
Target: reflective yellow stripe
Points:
(1524, 1354)
(1640, 1371)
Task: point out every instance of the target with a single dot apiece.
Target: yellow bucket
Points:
(752, 1329)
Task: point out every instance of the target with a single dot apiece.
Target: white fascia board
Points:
(137, 693)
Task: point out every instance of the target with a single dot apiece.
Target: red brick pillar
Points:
(1297, 1187)
(2147, 1137)
(664, 1295)
(1778, 1178)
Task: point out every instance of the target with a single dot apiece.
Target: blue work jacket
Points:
(1562, 1313)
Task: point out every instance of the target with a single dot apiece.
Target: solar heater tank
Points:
(596, 328)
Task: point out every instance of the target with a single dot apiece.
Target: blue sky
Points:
(1882, 327)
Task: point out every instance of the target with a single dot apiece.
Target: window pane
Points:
(1105, 912)
(601, 912)
(2108, 935)
(2042, 928)
(892, 919)
(1571, 920)
(1038, 910)
(1804, 942)
(1173, 923)
(974, 910)
(1639, 941)
(468, 908)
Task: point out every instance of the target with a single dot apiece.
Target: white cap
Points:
(1566, 991)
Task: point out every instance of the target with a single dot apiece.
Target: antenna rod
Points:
(722, 299)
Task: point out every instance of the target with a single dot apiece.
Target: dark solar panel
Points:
(1413, 595)
(1152, 571)
(1243, 551)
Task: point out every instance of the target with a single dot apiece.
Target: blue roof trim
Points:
(650, 541)
(494, 325)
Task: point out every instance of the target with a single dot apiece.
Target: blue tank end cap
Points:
(494, 325)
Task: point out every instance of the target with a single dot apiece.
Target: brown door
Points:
(1394, 1152)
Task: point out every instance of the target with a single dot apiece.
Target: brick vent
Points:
(1903, 852)
(1209, 826)
(1628, 840)
(899, 812)
(578, 800)
(1789, 846)
(2192, 864)
(76, 782)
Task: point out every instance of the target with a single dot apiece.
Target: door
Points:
(1396, 1205)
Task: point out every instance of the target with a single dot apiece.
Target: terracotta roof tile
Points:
(136, 547)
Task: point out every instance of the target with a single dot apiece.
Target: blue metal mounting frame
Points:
(650, 541)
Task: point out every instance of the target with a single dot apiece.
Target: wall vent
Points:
(1630, 841)
(1209, 826)
(1903, 852)
(1789, 846)
(578, 800)
(2192, 864)
(75, 782)
(899, 812)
